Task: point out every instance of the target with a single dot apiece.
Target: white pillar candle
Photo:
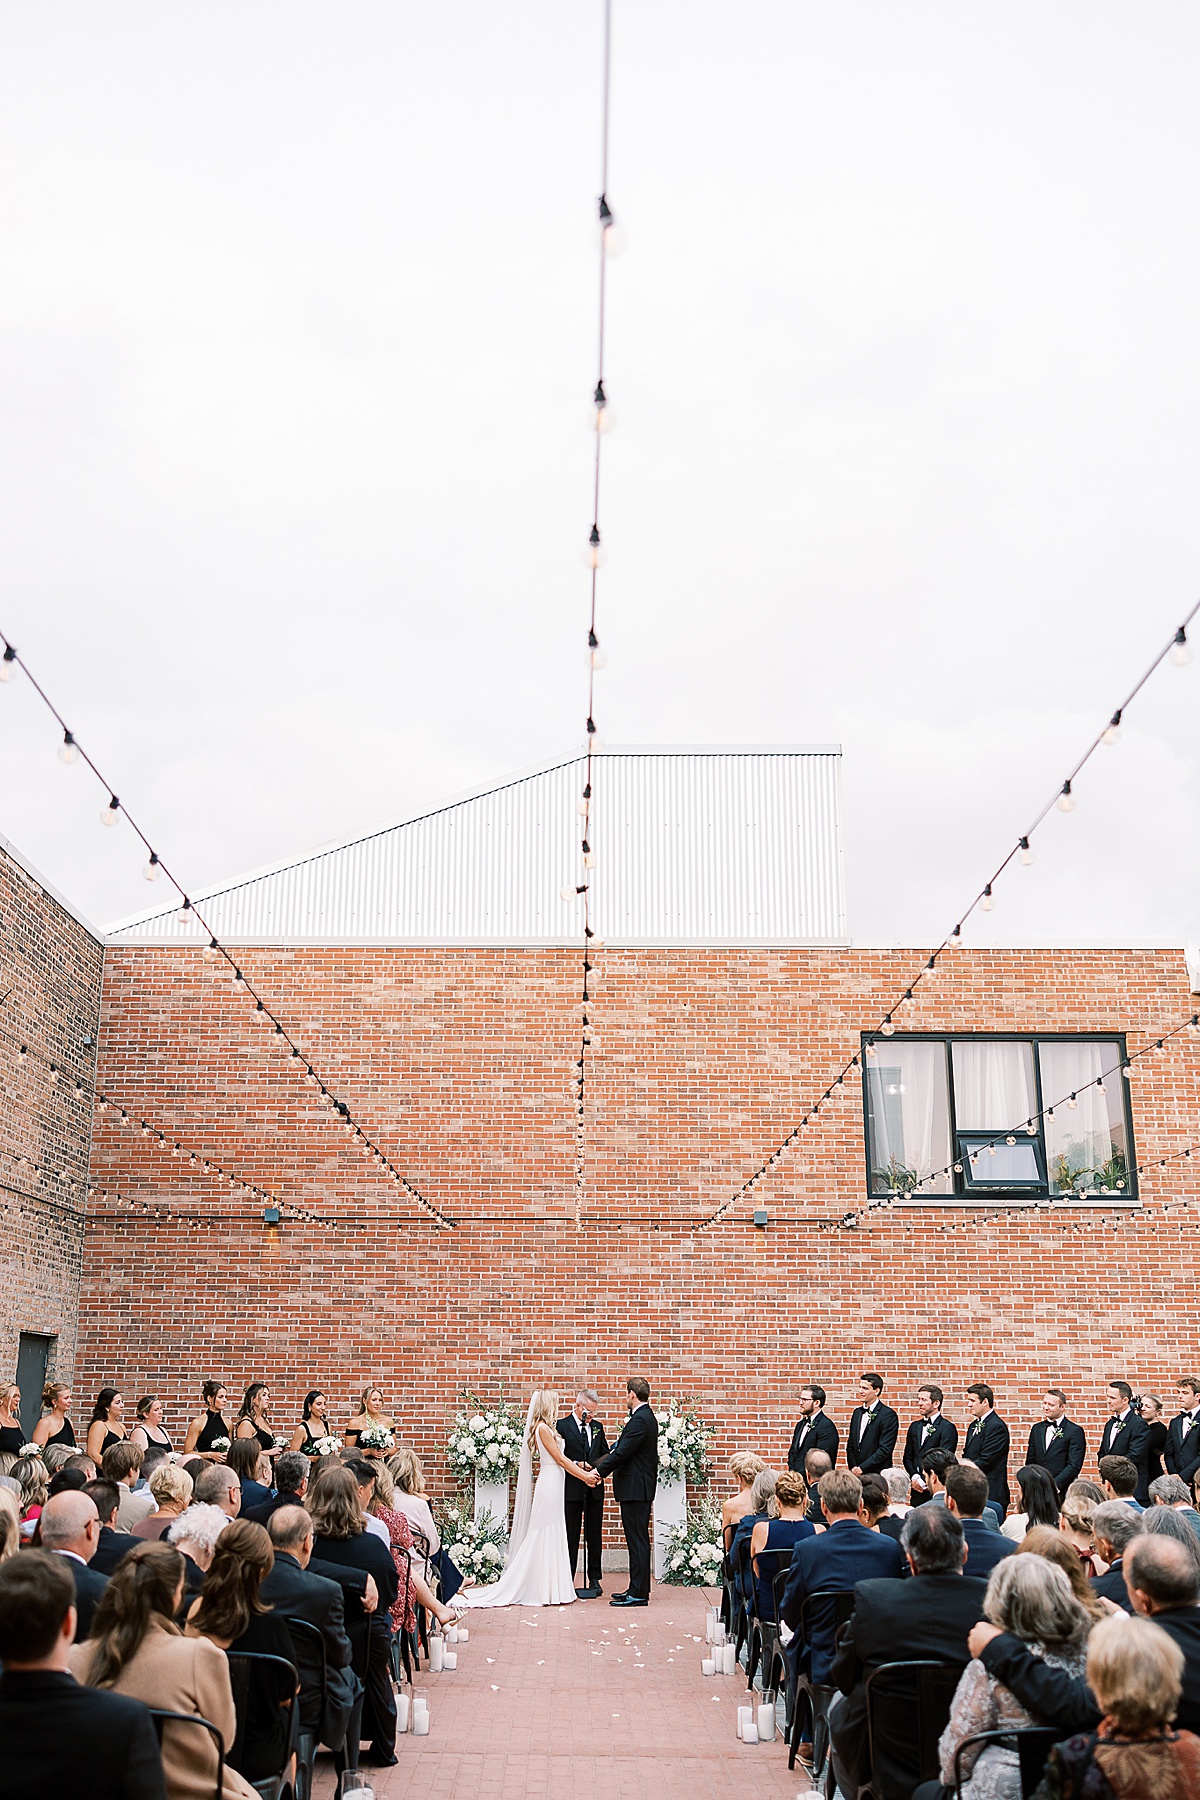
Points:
(464, 1636)
(421, 1723)
(402, 1712)
(766, 1724)
(744, 1716)
(750, 1733)
(437, 1652)
(452, 1634)
(729, 1658)
(450, 1659)
(708, 1666)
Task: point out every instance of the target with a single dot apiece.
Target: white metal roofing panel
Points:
(692, 846)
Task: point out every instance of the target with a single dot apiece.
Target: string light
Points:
(1066, 799)
(153, 868)
(8, 662)
(1025, 854)
(68, 750)
(112, 811)
(1112, 731)
(1180, 650)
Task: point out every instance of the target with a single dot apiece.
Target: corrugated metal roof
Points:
(692, 845)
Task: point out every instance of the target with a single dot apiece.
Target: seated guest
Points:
(743, 1467)
(195, 1467)
(816, 1464)
(937, 1465)
(221, 1487)
(761, 1509)
(782, 1533)
(327, 1689)
(408, 1475)
(31, 1477)
(875, 1499)
(1119, 1477)
(1134, 1752)
(1038, 1504)
(1164, 1585)
(342, 1537)
(231, 1612)
(245, 1458)
(364, 1474)
(57, 1738)
(171, 1488)
(81, 1460)
(113, 1544)
(838, 1558)
(136, 1648)
(291, 1485)
(1075, 1522)
(1164, 1521)
(71, 1529)
(966, 1497)
(195, 1534)
(56, 1457)
(1170, 1491)
(925, 1618)
(10, 1525)
(1031, 1599)
(123, 1464)
(414, 1590)
(899, 1493)
(1056, 1547)
(67, 1481)
(1114, 1525)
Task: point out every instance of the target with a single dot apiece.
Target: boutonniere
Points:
(1056, 1433)
(1187, 1425)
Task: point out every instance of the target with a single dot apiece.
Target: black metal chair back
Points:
(309, 1642)
(810, 1700)
(162, 1719)
(278, 1680)
(763, 1647)
(906, 1700)
(1032, 1743)
(772, 1564)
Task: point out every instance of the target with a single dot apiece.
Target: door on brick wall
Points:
(33, 1359)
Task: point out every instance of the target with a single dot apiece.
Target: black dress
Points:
(111, 1438)
(1155, 1446)
(214, 1427)
(64, 1435)
(11, 1439)
(265, 1438)
(311, 1437)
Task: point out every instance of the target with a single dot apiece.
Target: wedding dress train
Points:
(538, 1569)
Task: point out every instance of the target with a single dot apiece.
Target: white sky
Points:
(297, 322)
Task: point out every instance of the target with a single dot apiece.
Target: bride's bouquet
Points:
(476, 1547)
(693, 1554)
(683, 1440)
(484, 1442)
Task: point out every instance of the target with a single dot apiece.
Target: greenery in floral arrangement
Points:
(683, 1440)
(693, 1552)
(474, 1546)
(485, 1441)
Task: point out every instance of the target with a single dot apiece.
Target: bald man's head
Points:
(70, 1521)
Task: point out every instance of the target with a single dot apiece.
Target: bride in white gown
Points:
(537, 1569)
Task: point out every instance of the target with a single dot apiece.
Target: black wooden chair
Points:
(309, 1642)
(273, 1679)
(727, 1536)
(1032, 1743)
(811, 1699)
(902, 1696)
(162, 1719)
(763, 1648)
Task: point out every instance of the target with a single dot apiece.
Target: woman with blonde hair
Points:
(54, 1427)
(32, 1476)
(1031, 1598)
(12, 1432)
(1136, 1673)
(372, 1421)
(1075, 1522)
(414, 1589)
(743, 1466)
(171, 1490)
(1056, 1547)
(537, 1569)
(10, 1524)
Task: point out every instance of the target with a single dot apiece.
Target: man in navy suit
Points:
(966, 1497)
(1056, 1443)
(813, 1430)
(70, 1528)
(874, 1428)
(986, 1443)
(633, 1463)
(1126, 1433)
(928, 1431)
(837, 1558)
(1114, 1527)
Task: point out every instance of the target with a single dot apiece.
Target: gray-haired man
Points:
(584, 1438)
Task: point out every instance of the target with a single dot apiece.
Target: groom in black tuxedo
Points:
(584, 1438)
(633, 1464)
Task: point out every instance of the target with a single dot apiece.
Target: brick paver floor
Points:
(586, 1702)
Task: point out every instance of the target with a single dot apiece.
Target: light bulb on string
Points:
(1112, 731)
(931, 969)
(887, 1028)
(1025, 853)
(1066, 799)
(8, 663)
(986, 900)
(111, 812)
(597, 658)
(153, 868)
(1180, 649)
(68, 750)
(211, 950)
(601, 416)
(613, 237)
(594, 555)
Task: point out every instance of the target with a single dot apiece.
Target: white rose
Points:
(674, 1428)
(457, 1552)
(677, 1562)
(477, 1423)
(493, 1453)
(492, 1553)
(468, 1447)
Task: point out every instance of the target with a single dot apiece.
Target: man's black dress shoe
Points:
(588, 1593)
(628, 1600)
(623, 1595)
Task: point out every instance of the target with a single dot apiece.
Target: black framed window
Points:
(985, 1115)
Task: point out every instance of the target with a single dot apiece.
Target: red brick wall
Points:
(50, 971)
(460, 1063)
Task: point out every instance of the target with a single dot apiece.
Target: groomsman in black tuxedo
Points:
(874, 1428)
(584, 1437)
(1182, 1454)
(633, 1464)
(1056, 1443)
(986, 1443)
(1126, 1433)
(813, 1430)
(929, 1431)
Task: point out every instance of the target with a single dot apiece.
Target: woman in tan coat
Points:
(137, 1649)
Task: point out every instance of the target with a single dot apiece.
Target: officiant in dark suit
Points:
(874, 1428)
(633, 1464)
(584, 1438)
(930, 1431)
(813, 1430)
(1056, 1443)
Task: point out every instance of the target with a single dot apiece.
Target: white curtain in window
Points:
(993, 1085)
(910, 1115)
(1079, 1138)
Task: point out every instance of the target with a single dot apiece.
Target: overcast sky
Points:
(297, 328)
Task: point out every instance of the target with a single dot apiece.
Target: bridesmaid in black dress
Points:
(1151, 1410)
(252, 1418)
(54, 1427)
(107, 1424)
(210, 1425)
(313, 1426)
(148, 1433)
(12, 1435)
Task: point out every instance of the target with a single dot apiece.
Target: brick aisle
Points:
(586, 1703)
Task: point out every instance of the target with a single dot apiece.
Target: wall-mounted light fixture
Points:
(760, 1218)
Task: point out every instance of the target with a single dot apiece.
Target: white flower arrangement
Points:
(324, 1446)
(475, 1546)
(30, 1450)
(282, 1439)
(221, 1443)
(484, 1442)
(683, 1440)
(693, 1552)
(376, 1437)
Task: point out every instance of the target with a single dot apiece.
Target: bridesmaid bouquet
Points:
(221, 1444)
(325, 1446)
(376, 1437)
